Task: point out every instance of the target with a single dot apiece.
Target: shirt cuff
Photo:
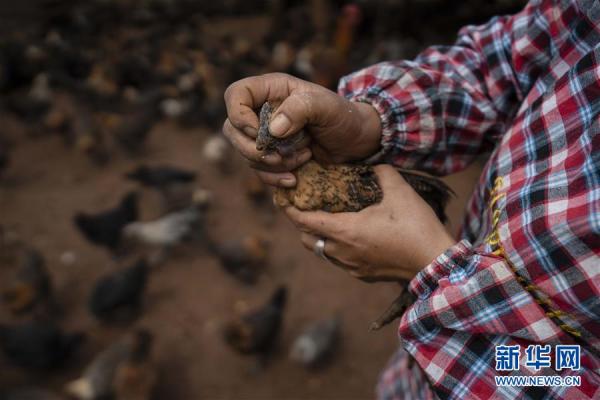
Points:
(427, 279)
(384, 108)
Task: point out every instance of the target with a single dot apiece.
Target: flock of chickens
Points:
(100, 75)
(125, 368)
(101, 87)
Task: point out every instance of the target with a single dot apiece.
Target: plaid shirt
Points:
(527, 271)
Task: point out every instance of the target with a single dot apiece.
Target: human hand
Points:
(389, 241)
(338, 130)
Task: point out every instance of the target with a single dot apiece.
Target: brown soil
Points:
(190, 296)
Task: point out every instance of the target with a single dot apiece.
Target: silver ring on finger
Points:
(319, 249)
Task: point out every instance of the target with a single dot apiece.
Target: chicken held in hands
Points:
(350, 188)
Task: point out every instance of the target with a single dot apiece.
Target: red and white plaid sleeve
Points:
(453, 103)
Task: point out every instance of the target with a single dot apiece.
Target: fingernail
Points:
(270, 158)
(250, 131)
(280, 124)
(287, 182)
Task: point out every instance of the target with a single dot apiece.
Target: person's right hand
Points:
(338, 130)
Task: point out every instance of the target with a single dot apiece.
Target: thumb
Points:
(389, 178)
(297, 110)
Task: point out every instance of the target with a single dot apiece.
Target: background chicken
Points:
(244, 258)
(114, 370)
(161, 177)
(218, 152)
(31, 284)
(166, 231)
(317, 343)
(256, 332)
(324, 59)
(33, 104)
(131, 130)
(37, 344)
(118, 296)
(104, 228)
(136, 377)
(87, 137)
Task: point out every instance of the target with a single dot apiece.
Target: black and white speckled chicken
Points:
(257, 332)
(166, 231)
(318, 342)
(37, 344)
(118, 296)
(104, 376)
(31, 285)
(104, 228)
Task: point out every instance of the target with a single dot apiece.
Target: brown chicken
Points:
(335, 188)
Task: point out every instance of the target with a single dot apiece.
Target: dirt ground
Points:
(190, 296)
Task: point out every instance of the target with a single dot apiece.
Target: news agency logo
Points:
(566, 357)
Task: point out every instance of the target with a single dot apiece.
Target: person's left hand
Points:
(389, 241)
